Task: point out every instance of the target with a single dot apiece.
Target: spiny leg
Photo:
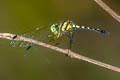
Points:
(57, 41)
(70, 36)
(71, 40)
(53, 39)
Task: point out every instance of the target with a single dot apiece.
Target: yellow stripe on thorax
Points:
(64, 25)
(69, 27)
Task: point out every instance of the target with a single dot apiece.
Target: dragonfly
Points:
(53, 33)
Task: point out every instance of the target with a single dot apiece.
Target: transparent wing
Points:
(34, 34)
(42, 34)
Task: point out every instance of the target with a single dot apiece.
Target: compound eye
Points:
(56, 27)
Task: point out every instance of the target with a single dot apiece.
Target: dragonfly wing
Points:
(42, 34)
(39, 34)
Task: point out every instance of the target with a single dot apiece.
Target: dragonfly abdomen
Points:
(92, 29)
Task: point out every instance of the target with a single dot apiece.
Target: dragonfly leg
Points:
(70, 36)
(71, 39)
(54, 40)
(58, 41)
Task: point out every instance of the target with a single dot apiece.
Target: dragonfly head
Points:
(54, 28)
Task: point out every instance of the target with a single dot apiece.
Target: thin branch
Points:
(64, 51)
(108, 9)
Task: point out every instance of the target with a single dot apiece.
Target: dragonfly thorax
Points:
(61, 27)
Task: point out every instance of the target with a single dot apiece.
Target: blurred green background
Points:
(19, 16)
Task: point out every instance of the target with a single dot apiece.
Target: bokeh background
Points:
(19, 16)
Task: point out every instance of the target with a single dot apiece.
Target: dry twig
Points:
(108, 9)
(64, 51)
